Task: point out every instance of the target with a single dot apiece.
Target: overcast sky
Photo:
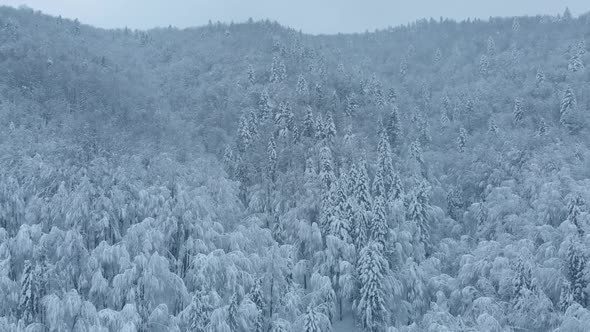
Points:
(311, 16)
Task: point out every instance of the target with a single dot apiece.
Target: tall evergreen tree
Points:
(28, 301)
(462, 140)
(568, 106)
(308, 123)
(372, 270)
(576, 272)
(393, 127)
(418, 213)
(518, 110)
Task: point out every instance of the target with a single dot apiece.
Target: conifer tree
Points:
(351, 105)
(302, 88)
(492, 127)
(574, 208)
(418, 213)
(566, 297)
(308, 123)
(484, 65)
(393, 127)
(251, 74)
(403, 68)
(416, 152)
(522, 283)
(200, 313)
(462, 140)
(391, 96)
(232, 313)
(568, 106)
(278, 71)
(575, 272)
(437, 56)
(372, 270)
(378, 227)
(264, 105)
(28, 301)
(272, 160)
(491, 47)
(330, 128)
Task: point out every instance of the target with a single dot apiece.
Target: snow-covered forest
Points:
(249, 177)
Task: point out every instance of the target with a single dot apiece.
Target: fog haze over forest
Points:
(431, 175)
(326, 16)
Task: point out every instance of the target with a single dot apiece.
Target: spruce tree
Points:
(491, 46)
(272, 160)
(28, 301)
(575, 272)
(484, 65)
(302, 88)
(330, 128)
(393, 127)
(251, 74)
(308, 123)
(232, 314)
(540, 77)
(568, 106)
(574, 208)
(372, 270)
(378, 227)
(522, 283)
(462, 140)
(418, 213)
(543, 129)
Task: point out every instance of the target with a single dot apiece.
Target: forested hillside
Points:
(249, 177)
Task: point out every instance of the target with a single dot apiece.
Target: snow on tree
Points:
(515, 25)
(568, 107)
(416, 152)
(484, 65)
(437, 55)
(29, 302)
(393, 127)
(575, 272)
(576, 64)
(417, 212)
(308, 123)
(378, 227)
(330, 127)
(491, 47)
(372, 272)
(278, 71)
(351, 105)
(251, 74)
(264, 105)
(271, 152)
(403, 68)
(302, 88)
(575, 207)
(462, 140)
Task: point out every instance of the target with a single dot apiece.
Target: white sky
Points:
(311, 16)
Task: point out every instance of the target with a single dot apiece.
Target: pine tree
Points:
(568, 106)
(515, 26)
(372, 270)
(576, 64)
(319, 128)
(391, 96)
(574, 207)
(326, 168)
(462, 140)
(397, 190)
(308, 123)
(271, 152)
(484, 65)
(566, 298)
(351, 105)
(314, 321)
(245, 135)
(393, 127)
(491, 47)
(264, 105)
(522, 283)
(454, 202)
(416, 152)
(199, 314)
(418, 213)
(403, 68)
(251, 74)
(469, 107)
(384, 161)
(28, 301)
(330, 128)
(575, 272)
(378, 227)
(518, 110)
(278, 71)
(302, 88)
(232, 313)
